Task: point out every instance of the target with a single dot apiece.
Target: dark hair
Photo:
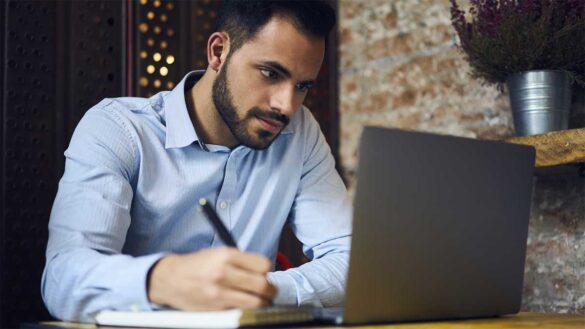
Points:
(242, 19)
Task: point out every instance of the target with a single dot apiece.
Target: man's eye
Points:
(270, 74)
(304, 86)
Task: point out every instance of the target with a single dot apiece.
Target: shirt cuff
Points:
(286, 288)
(134, 283)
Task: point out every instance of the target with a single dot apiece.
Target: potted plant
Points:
(535, 47)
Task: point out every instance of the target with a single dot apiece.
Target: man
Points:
(126, 232)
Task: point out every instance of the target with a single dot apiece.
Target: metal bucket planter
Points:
(540, 100)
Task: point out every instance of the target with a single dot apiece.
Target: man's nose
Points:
(284, 100)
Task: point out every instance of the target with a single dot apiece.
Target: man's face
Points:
(262, 85)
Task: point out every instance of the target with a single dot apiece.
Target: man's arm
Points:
(85, 270)
(321, 220)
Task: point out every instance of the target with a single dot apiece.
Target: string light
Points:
(157, 32)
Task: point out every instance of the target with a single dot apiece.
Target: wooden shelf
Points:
(557, 147)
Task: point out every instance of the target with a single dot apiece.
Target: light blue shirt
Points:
(135, 170)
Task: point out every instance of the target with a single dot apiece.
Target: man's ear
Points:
(218, 46)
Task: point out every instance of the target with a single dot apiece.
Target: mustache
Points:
(258, 112)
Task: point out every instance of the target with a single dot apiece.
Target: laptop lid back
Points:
(440, 227)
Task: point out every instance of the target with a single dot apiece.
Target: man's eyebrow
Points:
(284, 71)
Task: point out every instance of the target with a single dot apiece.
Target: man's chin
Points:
(261, 141)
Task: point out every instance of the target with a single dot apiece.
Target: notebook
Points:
(233, 318)
(439, 232)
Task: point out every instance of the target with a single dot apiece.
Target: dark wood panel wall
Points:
(59, 58)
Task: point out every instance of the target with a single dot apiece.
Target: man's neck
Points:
(209, 125)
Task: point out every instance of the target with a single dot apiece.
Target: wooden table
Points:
(522, 320)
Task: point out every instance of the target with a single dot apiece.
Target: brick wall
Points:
(399, 67)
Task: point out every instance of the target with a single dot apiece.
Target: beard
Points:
(258, 139)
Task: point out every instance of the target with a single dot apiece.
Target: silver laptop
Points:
(439, 229)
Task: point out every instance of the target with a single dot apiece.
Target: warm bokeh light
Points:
(143, 2)
(143, 54)
(163, 45)
(156, 57)
(156, 3)
(170, 6)
(156, 83)
(170, 59)
(156, 30)
(150, 42)
(143, 27)
(170, 32)
(143, 82)
(170, 85)
(150, 15)
(164, 71)
(150, 69)
(164, 18)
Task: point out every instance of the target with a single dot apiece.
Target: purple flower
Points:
(509, 36)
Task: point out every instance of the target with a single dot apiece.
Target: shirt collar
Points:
(180, 130)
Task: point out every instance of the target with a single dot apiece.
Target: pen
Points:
(221, 230)
(213, 218)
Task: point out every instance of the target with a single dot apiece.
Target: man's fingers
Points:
(218, 298)
(247, 281)
(246, 261)
(211, 279)
(235, 298)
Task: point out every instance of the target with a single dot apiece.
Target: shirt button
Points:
(223, 205)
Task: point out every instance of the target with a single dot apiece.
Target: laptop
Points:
(440, 227)
(439, 232)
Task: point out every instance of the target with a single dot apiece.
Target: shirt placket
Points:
(225, 197)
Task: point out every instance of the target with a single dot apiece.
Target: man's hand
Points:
(211, 279)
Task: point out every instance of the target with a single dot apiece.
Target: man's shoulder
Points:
(128, 107)
(122, 117)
